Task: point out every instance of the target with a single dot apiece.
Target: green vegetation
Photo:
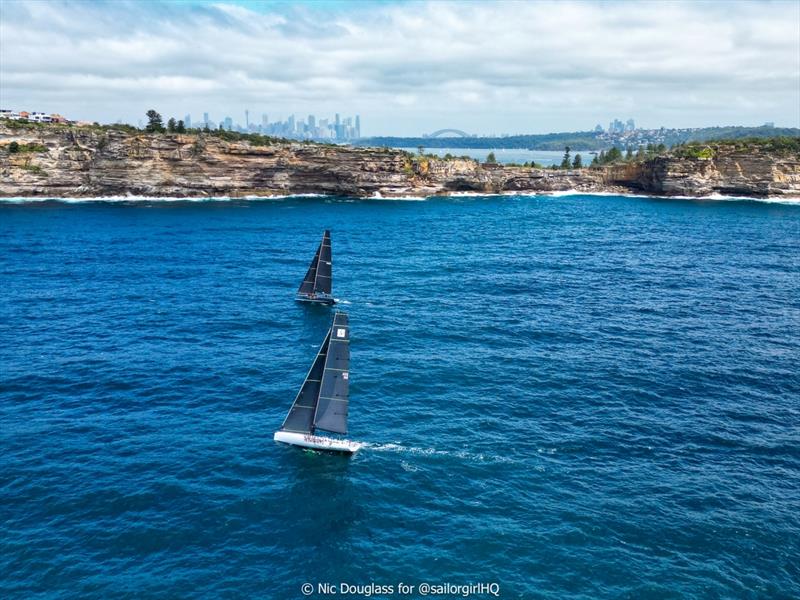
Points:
(154, 122)
(565, 163)
(491, 159)
(15, 148)
(581, 140)
(694, 151)
(577, 162)
(35, 169)
(607, 158)
(778, 145)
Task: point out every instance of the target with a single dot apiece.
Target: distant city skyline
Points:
(481, 67)
(337, 128)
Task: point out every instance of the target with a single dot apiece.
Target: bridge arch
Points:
(441, 132)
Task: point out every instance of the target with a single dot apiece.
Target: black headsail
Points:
(331, 413)
(324, 277)
(318, 277)
(301, 416)
(307, 287)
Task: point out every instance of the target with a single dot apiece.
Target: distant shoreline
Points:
(62, 162)
(789, 200)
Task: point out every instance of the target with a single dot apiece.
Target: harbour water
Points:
(583, 397)
(519, 156)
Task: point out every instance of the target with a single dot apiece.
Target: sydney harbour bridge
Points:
(442, 132)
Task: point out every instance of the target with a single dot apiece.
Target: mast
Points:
(300, 418)
(323, 273)
(332, 404)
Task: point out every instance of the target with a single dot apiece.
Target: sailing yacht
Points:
(317, 283)
(321, 403)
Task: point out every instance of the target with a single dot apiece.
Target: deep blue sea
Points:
(572, 397)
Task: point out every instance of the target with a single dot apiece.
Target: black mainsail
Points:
(301, 416)
(331, 413)
(322, 400)
(319, 277)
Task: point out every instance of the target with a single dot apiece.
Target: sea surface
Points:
(571, 397)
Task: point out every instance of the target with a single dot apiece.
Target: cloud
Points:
(409, 67)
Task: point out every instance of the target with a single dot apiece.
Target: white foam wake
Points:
(462, 454)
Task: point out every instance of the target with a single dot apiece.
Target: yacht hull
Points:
(318, 299)
(317, 442)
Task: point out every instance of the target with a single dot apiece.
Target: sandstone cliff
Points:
(58, 161)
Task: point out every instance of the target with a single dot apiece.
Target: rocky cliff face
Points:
(729, 171)
(83, 162)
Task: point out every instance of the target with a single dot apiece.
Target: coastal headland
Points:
(53, 160)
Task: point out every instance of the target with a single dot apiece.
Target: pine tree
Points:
(565, 161)
(180, 127)
(577, 163)
(491, 159)
(171, 125)
(154, 122)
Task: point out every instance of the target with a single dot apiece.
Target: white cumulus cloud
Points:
(484, 67)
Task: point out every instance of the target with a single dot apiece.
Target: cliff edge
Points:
(59, 161)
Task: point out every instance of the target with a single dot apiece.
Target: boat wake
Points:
(462, 454)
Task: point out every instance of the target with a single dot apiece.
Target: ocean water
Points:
(570, 397)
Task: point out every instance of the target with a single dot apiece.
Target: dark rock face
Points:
(86, 162)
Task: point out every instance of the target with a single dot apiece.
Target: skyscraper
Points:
(187, 121)
(205, 119)
(246, 119)
(264, 120)
(358, 126)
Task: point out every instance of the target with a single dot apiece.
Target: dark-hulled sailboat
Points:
(318, 282)
(321, 403)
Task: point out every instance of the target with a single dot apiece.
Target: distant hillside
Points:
(586, 140)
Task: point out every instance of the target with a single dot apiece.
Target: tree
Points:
(595, 162)
(421, 150)
(577, 163)
(629, 154)
(171, 125)
(154, 122)
(640, 153)
(13, 147)
(180, 127)
(491, 159)
(613, 155)
(661, 148)
(565, 162)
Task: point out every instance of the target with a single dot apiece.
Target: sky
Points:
(408, 67)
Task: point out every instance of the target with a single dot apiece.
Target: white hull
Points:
(316, 442)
